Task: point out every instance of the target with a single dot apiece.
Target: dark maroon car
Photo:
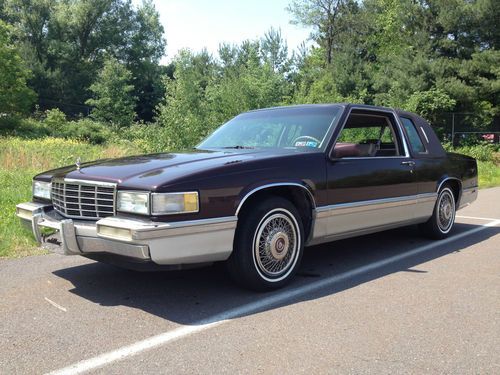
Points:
(256, 191)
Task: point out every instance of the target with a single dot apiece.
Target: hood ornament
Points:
(78, 163)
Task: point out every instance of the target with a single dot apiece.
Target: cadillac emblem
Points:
(78, 163)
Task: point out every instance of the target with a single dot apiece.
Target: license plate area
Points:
(58, 237)
(51, 239)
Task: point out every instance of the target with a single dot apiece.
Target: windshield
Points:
(288, 127)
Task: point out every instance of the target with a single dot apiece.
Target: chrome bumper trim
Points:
(64, 233)
(100, 245)
(194, 241)
(144, 230)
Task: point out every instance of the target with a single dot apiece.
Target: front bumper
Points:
(184, 242)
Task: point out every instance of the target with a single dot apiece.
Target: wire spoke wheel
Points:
(268, 244)
(446, 211)
(276, 245)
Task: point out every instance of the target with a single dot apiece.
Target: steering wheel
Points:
(305, 137)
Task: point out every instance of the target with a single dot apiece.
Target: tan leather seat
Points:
(343, 150)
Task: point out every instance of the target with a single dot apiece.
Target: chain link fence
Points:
(455, 127)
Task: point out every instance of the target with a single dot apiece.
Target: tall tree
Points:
(147, 46)
(183, 113)
(15, 96)
(65, 43)
(113, 101)
(275, 51)
(206, 92)
(323, 16)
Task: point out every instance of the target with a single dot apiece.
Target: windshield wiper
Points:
(238, 147)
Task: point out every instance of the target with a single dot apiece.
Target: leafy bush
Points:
(8, 123)
(428, 103)
(54, 124)
(21, 127)
(86, 130)
(480, 151)
(55, 120)
(147, 138)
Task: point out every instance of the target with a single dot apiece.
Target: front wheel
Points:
(443, 217)
(268, 245)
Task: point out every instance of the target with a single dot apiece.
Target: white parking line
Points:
(56, 305)
(224, 317)
(476, 218)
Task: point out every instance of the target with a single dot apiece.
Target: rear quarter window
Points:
(416, 143)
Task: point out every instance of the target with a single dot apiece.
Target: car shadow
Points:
(192, 296)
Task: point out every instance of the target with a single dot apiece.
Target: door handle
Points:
(408, 163)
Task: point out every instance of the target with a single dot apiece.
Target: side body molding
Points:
(346, 220)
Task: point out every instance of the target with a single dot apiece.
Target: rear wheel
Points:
(268, 245)
(443, 217)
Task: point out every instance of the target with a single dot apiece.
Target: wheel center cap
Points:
(279, 245)
(447, 211)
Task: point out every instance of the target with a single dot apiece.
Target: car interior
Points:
(367, 135)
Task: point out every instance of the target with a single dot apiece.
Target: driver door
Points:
(371, 183)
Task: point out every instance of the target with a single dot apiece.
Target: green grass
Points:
(15, 240)
(488, 161)
(20, 160)
(489, 174)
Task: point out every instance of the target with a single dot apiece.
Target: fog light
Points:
(113, 232)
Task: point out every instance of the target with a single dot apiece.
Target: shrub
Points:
(87, 130)
(8, 123)
(21, 127)
(429, 103)
(480, 151)
(55, 120)
(147, 138)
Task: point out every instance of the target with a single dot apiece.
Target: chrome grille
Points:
(83, 199)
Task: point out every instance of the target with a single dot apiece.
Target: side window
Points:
(415, 142)
(367, 135)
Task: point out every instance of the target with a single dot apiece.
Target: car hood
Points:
(150, 171)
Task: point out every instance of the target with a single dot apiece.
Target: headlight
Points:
(175, 203)
(133, 202)
(41, 189)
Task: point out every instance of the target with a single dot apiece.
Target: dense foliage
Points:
(65, 44)
(431, 57)
(15, 95)
(428, 56)
(113, 99)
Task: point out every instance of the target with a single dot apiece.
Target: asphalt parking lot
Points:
(391, 302)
